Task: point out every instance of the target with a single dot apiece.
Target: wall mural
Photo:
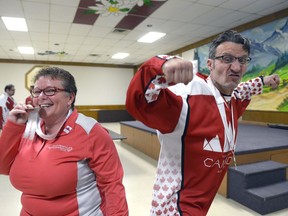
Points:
(269, 53)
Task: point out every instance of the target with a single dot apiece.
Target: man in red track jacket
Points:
(196, 121)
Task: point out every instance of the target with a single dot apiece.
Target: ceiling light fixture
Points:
(120, 55)
(26, 50)
(15, 24)
(151, 37)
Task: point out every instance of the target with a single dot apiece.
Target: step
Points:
(268, 198)
(260, 186)
(258, 174)
(270, 191)
(279, 126)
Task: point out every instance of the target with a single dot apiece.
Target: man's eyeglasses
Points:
(49, 91)
(229, 59)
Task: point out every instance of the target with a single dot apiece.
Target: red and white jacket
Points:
(197, 130)
(77, 173)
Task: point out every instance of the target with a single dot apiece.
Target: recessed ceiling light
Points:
(15, 24)
(120, 55)
(151, 37)
(26, 50)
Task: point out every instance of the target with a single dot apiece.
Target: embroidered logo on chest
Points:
(60, 148)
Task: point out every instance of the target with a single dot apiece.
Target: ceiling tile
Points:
(171, 9)
(212, 15)
(13, 9)
(276, 7)
(260, 5)
(236, 4)
(229, 18)
(56, 13)
(213, 2)
(36, 11)
(78, 29)
(39, 37)
(57, 26)
(74, 3)
(38, 26)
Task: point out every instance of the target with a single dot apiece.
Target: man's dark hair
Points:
(232, 36)
(9, 87)
(56, 73)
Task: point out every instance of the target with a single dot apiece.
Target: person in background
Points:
(7, 103)
(29, 99)
(196, 117)
(64, 162)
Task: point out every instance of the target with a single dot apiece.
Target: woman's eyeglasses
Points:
(49, 91)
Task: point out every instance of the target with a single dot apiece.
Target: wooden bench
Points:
(106, 114)
(140, 137)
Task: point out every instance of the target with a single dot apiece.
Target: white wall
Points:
(189, 54)
(96, 85)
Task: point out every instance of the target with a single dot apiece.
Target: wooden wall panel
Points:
(274, 117)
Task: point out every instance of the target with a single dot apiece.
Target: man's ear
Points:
(210, 64)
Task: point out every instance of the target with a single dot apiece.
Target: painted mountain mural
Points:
(270, 56)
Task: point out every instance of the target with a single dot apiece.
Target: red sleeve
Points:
(9, 144)
(109, 173)
(1, 117)
(162, 112)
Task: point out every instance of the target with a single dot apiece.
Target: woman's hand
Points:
(20, 113)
